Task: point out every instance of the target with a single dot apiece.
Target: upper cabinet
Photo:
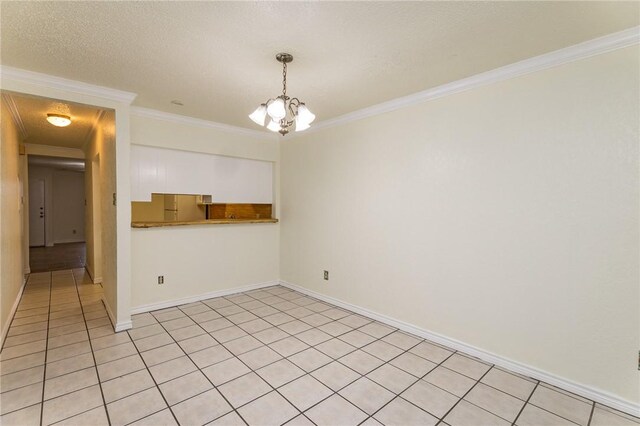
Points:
(226, 179)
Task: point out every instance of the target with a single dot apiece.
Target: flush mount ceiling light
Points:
(283, 111)
(59, 120)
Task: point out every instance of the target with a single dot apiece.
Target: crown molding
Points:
(608, 43)
(13, 109)
(50, 81)
(198, 122)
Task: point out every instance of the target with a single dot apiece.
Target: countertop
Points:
(200, 222)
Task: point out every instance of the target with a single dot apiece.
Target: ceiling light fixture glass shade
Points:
(283, 110)
(59, 120)
(259, 115)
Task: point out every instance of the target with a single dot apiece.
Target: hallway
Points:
(57, 257)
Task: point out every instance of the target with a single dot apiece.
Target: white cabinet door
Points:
(226, 179)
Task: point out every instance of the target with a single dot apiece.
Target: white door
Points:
(36, 213)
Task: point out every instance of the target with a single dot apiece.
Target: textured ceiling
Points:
(33, 113)
(218, 57)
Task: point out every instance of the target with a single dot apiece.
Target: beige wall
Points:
(11, 248)
(505, 217)
(100, 186)
(197, 260)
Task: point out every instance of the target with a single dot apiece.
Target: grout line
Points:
(465, 394)
(526, 402)
(95, 363)
(46, 349)
(593, 407)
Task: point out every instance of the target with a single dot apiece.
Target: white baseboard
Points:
(589, 392)
(117, 326)
(184, 300)
(14, 308)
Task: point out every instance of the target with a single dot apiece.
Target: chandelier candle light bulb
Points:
(282, 110)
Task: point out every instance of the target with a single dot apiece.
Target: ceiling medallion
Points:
(283, 111)
(59, 120)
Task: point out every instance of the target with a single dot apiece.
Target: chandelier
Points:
(283, 111)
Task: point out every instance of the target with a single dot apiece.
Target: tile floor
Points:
(265, 357)
(57, 257)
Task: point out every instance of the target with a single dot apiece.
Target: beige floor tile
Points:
(68, 351)
(242, 345)
(313, 337)
(94, 417)
(255, 325)
(227, 334)
(495, 401)
(187, 332)
(604, 417)
(413, 364)
(142, 320)
(467, 366)
(120, 367)
(135, 407)
(25, 338)
(383, 350)
(129, 384)
(216, 324)
(270, 409)
(377, 329)
(185, 387)
(21, 363)
(145, 331)
(260, 357)
(509, 383)
(15, 330)
(230, 419)
(367, 395)
(534, 416)
(563, 405)
(195, 308)
(270, 335)
(177, 323)
(336, 410)
(172, 369)
(225, 371)
(280, 372)
(70, 382)
(162, 354)
(361, 361)
(201, 409)
(288, 346)
(357, 338)
(161, 418)
(197, 343)
(244, 389)
(281, 318)
(68, 329)
(29, 320)
(335, 328)
(450, 381)
(431, 352)
(392, 378)
(210, 356)
(205, 316)
(402, 340)
(316, 320)
(430, 398)
(69, 365)
(335, 348)
(335, 375)
(152, 342)
(29, 416)
(20, 398)
(465, 414)
(115, 352)
(310, 359)
(300, 420)
(21, 378)
(305, 392)
(402, 413)
(22, 350)
(71, 404)
(168, 314)
(110, 340)
(291, 327)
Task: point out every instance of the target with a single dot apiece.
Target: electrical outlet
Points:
(160, 279)
(326, 275)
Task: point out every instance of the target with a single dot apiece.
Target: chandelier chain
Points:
(284, 79)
